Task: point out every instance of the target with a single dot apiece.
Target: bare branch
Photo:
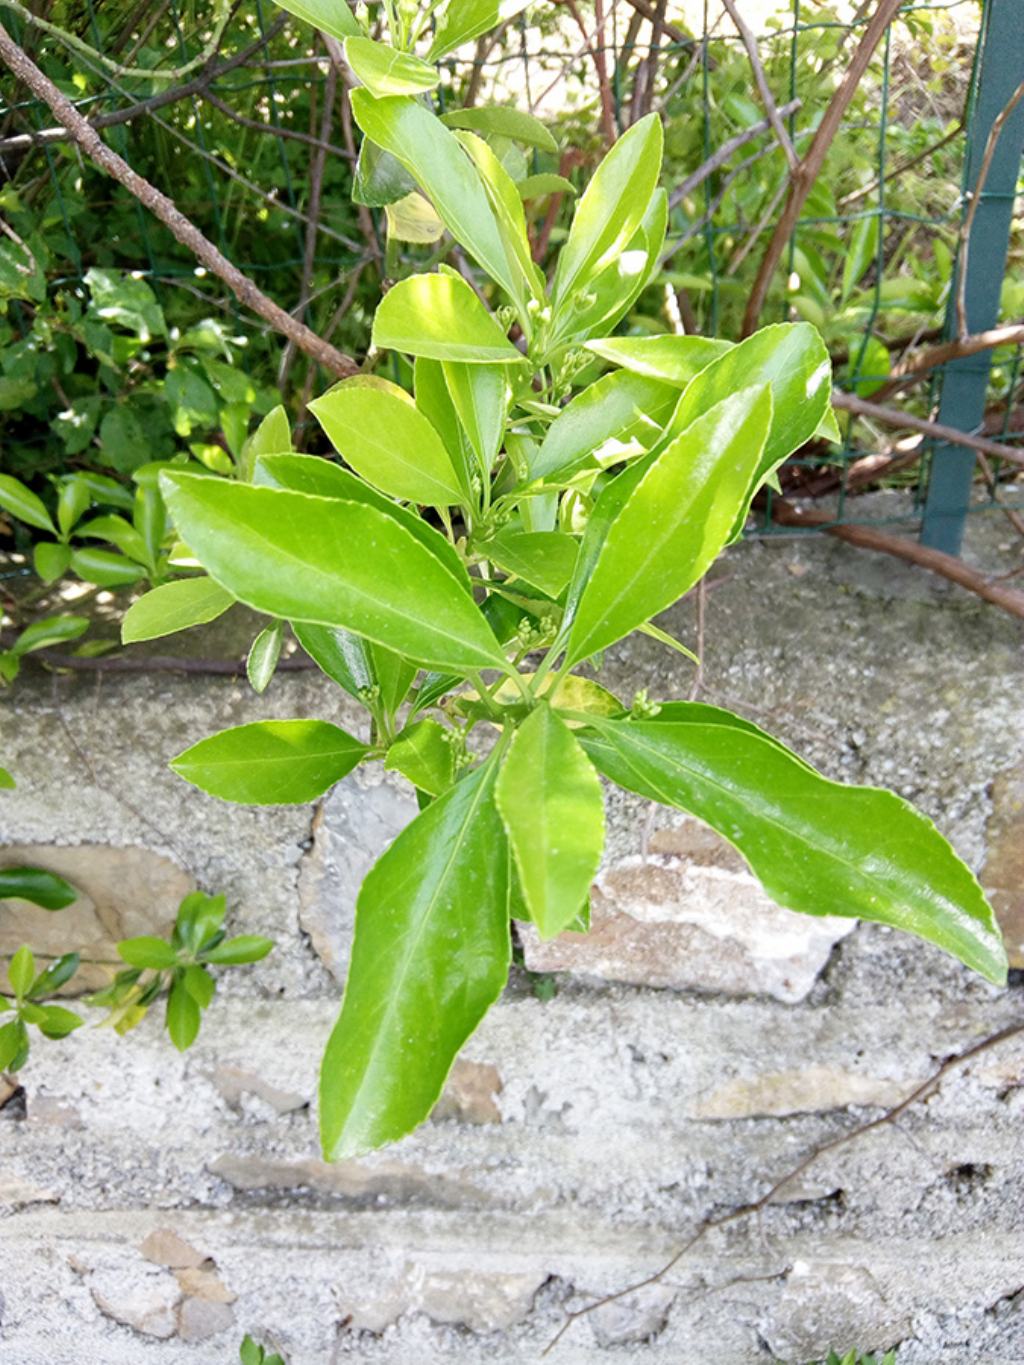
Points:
(761, 81)
(908, 371)
(892, 417)
(803, 178)
(25, 70)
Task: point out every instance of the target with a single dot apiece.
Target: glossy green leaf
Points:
(7, 782)
(792, 358)
(384, 437)
(51, 630)
(431, 955)
(499, 120)
(380, 179)
(271, 762)
(432, 155)
(273, 436)
(118, 532)
(618, 281)
(324, 479)
(357, 665)
(57, 974)
(385, 71)
(199, 920)
(674, 360)
(330, 16)
(424, 753)
(148, 952)
(464, 20)
(22, 503)
(183, 1015)
(172, 607)
(34, 884)
(106, 568)
(242, 948)
(817, 846)
(199, 984)
(612, 206)
(13, 1046)
(21, 971)
(672, 525)
(72, 501)
(544, 558)
(440, 316)
(615, 418)
(480, 396)
(550, 801)
(335, 563)
(50, 560)
(264, 653)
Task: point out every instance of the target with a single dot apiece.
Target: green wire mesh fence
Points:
(258, 152)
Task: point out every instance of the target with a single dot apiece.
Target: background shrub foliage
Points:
(535, 461)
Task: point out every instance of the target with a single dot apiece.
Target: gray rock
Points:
(634, 1319)
(200, 1319)
(137, 1295)
(832, 1306)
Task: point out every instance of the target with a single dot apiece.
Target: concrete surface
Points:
(156, 1206)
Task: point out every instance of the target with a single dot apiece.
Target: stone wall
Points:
(698, 1044)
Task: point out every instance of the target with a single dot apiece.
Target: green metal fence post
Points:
(965, 382)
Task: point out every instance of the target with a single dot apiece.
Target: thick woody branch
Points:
(957, 349)
(26, 71)
(808, 170)
(893, 417)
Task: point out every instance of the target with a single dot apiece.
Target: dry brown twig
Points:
(892, 417)
(185, 231)
(958, 349)
(761, 81)
(758, 1205)
(802, 179)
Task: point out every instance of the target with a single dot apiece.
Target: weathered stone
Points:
(236, 1084)
(200, 1319)
(688, 915)
(123, 892)
(480, 1300)
(470, 1094)
(164, 1247)
(203, 1282)
(352, 827)
(1003, 873)
(810, 1090)
(16, 1193)
(636, 1318)
(831, 1307)
(46, 1109)
(139, 1296)
(381, 1182)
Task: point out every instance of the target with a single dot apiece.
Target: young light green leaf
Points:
(539, 186)
(550, 801)
(432, 155)
(672, 525)
(271, 762)
(174, 606)
(544, 558)
(57, 974)
(412, 219)
(58, 1022)
(22, 503)
(612, 207)
(265, 651)
(183, 1015)
(384, 437)
(480, 396)
(148, 952)
(817, 846)
(464, 20)
(50, 560)
(674, 360)
(199, 984)
(335, 563)
(21, 971)
(507, 204)
(273, 436)
(617, 282)
(242, 948)
(7, 783)
(863, 251)
(440, 316)
(613, 419)
(431, 955)
(424, 753)
(106, 568)
(330, 16)
(324, 479)
(498, 120)
(13, 1046)
(384, 71)
(118, 532)
(33, 884)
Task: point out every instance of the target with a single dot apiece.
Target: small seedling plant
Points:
(535, 491)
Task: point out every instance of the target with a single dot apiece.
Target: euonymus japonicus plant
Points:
(482, 539)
